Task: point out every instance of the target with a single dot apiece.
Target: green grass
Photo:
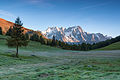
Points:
(36, 46)
(32, 46)
(49, 68)
(114, 46)
(40, 62)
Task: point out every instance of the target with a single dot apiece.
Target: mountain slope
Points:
(114, 46)
(5, 25)
(74, 34)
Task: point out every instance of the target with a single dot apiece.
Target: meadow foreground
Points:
(59, 65)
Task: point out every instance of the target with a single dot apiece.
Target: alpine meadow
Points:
(59, 40)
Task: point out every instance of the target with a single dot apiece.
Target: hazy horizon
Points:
(94, 16)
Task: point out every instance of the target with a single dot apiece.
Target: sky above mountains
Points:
(92, 15)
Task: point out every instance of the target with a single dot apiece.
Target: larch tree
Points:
(17, 38)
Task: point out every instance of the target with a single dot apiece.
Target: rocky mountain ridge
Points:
(74, 34)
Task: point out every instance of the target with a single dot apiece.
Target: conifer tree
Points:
(9, 31)
(27, 36)
(42, 41)
(17, 38)
(0, 31)
(60, 43)
(34, 37)
(53, 41)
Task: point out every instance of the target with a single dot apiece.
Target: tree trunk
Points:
(17, 52)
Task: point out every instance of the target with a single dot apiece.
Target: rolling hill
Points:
(114, 46)
(5, 25)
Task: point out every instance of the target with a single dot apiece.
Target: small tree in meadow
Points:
(17, 38)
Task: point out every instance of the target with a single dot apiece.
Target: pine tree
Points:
(0, 31)
(34, 37)
(27, 36)
(83, 47)
(60, 43)
(9, 31)
(53, 41)
(48, 42)
(42, 41)
(17, 38)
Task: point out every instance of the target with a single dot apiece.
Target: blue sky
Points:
(92, 15)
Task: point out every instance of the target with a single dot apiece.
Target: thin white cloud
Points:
(36, 1)
(6, 13)
(41, 3)
(94, 6)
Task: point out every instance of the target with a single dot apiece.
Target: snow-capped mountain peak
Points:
(74, 34)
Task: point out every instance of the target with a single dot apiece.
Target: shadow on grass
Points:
(23, 57)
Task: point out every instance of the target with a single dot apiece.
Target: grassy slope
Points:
(114, 46)
(32, 46)
(56, 64)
